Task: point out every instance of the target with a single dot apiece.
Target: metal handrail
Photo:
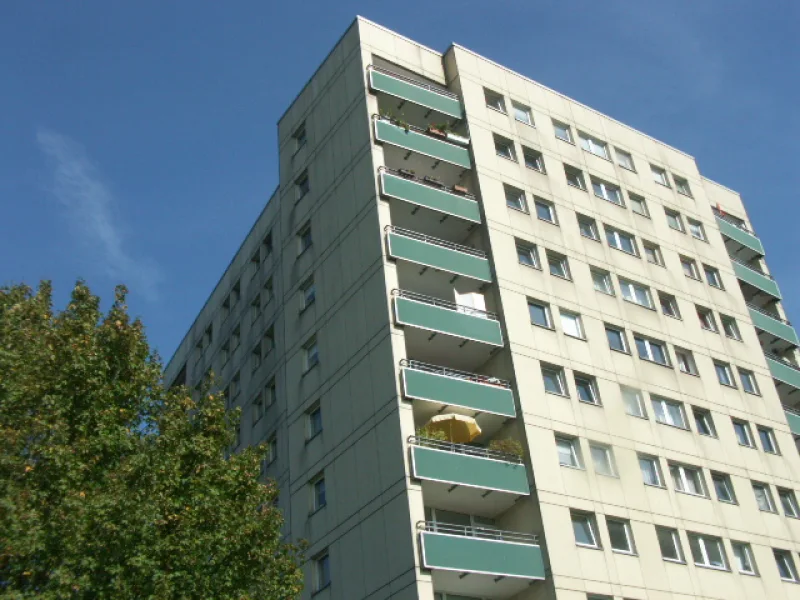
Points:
(478, 451)
(448, 372)
(421, 180)
(767, 313)
(788, 409)
(444, 304)
(486, 533)
(435, 241)
(751, 267)
(419, 130)
(781, 360)
(733, 221)
(421, 84)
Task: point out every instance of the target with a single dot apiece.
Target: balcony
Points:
(435, 253)
(784, 371)
(441, 199)
(741, 241)
(774, 332)
(755, 280)
(476, 561)
(467, 479)
(428, 97)
(793, 418)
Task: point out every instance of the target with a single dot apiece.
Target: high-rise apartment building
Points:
(500, 345)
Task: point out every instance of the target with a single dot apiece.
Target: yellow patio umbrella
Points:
(459, 429)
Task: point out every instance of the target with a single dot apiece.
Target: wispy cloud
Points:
(90, 206)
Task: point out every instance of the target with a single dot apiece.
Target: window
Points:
(236, 336)
(696, 229)
(268, 290)
(563, 131)
(559, 266)
(575, 177)
(616, 339)
(636, 293)
(704, 422)
(724, 487)
(540, 314)
(707, 320)
(257, 408)
(266, 245)
(659, 175)
(669, 412)
(585, 528)
(522, 113)
(687, 479)
(789, 503)
(304, 238)
(322, 571)
(271, 452)
(652, 350)
(255, 357)
(515, 198)
(234, 388)
(689, 267)
(545, 210)
(504, 147)
(730, 327)
(255, 262)
(313, 421)
(633, 401)
(299, 136)
(620, 535)
(269, 339)
(713, 277)
(624, 159)
(653, 253)
(554, 382)
(674, 220)
(607, 191)
(749, 384)
(571, 324)
(670, 543)
(621, 240)
(318, 499)
(742, 431)
(685, 360)
(603, 459)
(569, 453)
(682, 186)
(651, 470)
(743, 558)
(724, 373)
(308, 292)
(707, 551)
(763, 497)
(255, 308)
(638, 205)
(669, 305)
(588, 228)
(494, 100)
(768, 442)
(225, 353)
(302, 185)
(527, 254)
(311, 354)
(602, 281)
(586, 386)
(270, 393)
(593, 145)
(785, 563)
(533, 159)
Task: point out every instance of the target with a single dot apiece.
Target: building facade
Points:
(456, 250)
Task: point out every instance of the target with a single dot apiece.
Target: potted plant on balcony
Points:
(407, 173)
(507, 446)
(429, 433)
(460, 189)
(438, 130)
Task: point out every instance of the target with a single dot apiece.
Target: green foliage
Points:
(431, 434)
(507, 445)
(112, 486)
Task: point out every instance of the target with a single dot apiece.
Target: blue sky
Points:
(138, 139)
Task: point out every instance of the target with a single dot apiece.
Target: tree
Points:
(111, 485)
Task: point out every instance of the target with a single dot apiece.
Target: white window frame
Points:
(770, 435)
(704, 416)
(500, 143)
(549, 206)
(788, 498)
(660, 175)
(614, 239)
(533, 159)
(562, 442)
(607, 191)
(785, 557)
(654, 251)
(730, 327)
(724, 480)
(605, 277)
(707, 320)
(723, 368)
(675, 541)
(633, 398)
(575, 318)
(516, 198)
(494, 101)
(636, 293)
(576, 174)
(649, 344)
(520, 108)
(554, 258)
(314, 424)
(689, 268)
(623, 338)
(713, 277)
(628, 162)
(655, 463)
(588, 383)
(639, 201)
(546, 310)
(626, 531)
(749, 382)
(310, 354)
(682, 479)
(682, 186)
(603, 459)
(696, 229)
(670, 301)
(685, 360)
(588, 520)
(674, 214)
(663, 415)
(319, 492)
(559, 378)
(743, 554)
(745, 428)
(530, 251)
(590, 224)
(703, 543)
(593, 145)
(322, 571)
(567, 129)
(768, 498)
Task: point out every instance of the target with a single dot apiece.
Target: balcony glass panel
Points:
(434, 198)
(417, 92)
(737, 234)
(438, 254)
(783, 371)
(794, 421)
(759, 280)
(416, 140)
(773, 325)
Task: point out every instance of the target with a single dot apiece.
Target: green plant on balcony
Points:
(387, 113)
(507, 446)
(430, 433)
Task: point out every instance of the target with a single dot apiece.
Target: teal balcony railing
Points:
(435, 197)
(423, 381)
(404, 244)
(471, 466)
(784, 371)
(793, 418)
(442, 316)
(411, 90)
(755, 277)
(733, 230)
(772, 324)
(480, 550)
(419, 141)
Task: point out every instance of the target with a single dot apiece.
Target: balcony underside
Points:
(757, 288)
(775, 335)
(739, 242)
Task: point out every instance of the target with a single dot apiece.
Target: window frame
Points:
(549, 206)
(517, 107)
(560, 125)
(730, 327)
(789, 565)
(724, 480)
(660, 175)
(589, 382)
(713, 277)
(640, 201)
(556, 258)
(589, 521)
(631, 291)
(655, 250)
(720, 368)
(704, 416)
(319, 492)
(743, 426)
(678, 218)
(665, 299)
(605, 187)
(748, 380)
(763, 431)
(618, 152)
(682, 186)
(590, 224)
(707, 320)
(529, 250)
(622, 336)
(546, 310)
(589, 142)
(519, 200)
(768, 497)
(788, 494)
(617, 235)
(668, 417)
(684, 471)
(576, 174)
(606, 278)
(581, 332)
(689, 268)
(609, 466)
(574, 451)
(560, 378)
(650, 343)
(532, 157)
(655, 463)
(322, 571)
(503, 142)
(749, 558)
(491, 96)
(637, 396)
(703, 542)
(627, 532)
(675, 541)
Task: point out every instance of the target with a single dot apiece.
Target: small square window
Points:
(689, 267)
(682, 186)
(669, 305)
(685, 360)
(621, 240)
(687, 479)
(318, 499)
(789, 503)
(636, 293)
(302, 185)
(724, 373)
(674, 220)
(669, 412)
(255, 357)
(620, 535)
(308, 293)
(554, 381)
(588, 228)
(652, 350)
(304, 238)
(704, 422)
(545, 211)
(652, 252)
(299, 136)
(638, 205)
(633, 401)
(540, 314)
(313, 421)
(310, 354)
(730, 327)
(571, 324)
(522, 113)
(723, 487)
(603, 459)
(707, 551)
(585, 528)
(563, 131)
(586, 386)
(696, 229)
(743, 558)
(651, 470)
(616, 339)
(494, 100)
(624, 159)
(768, 441)
(763, 496)
(515, 198)
(533, 159)
(593, 145)
(713, 277)
(749, 383)
(575, 177)
(743, 435)
(569, 453)
(602, 281)
(558, 264)
(607, 191)
(527, 254)
(670, 543)
(504, 147)
(659, 175)
(707, 320)
(786, 567)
